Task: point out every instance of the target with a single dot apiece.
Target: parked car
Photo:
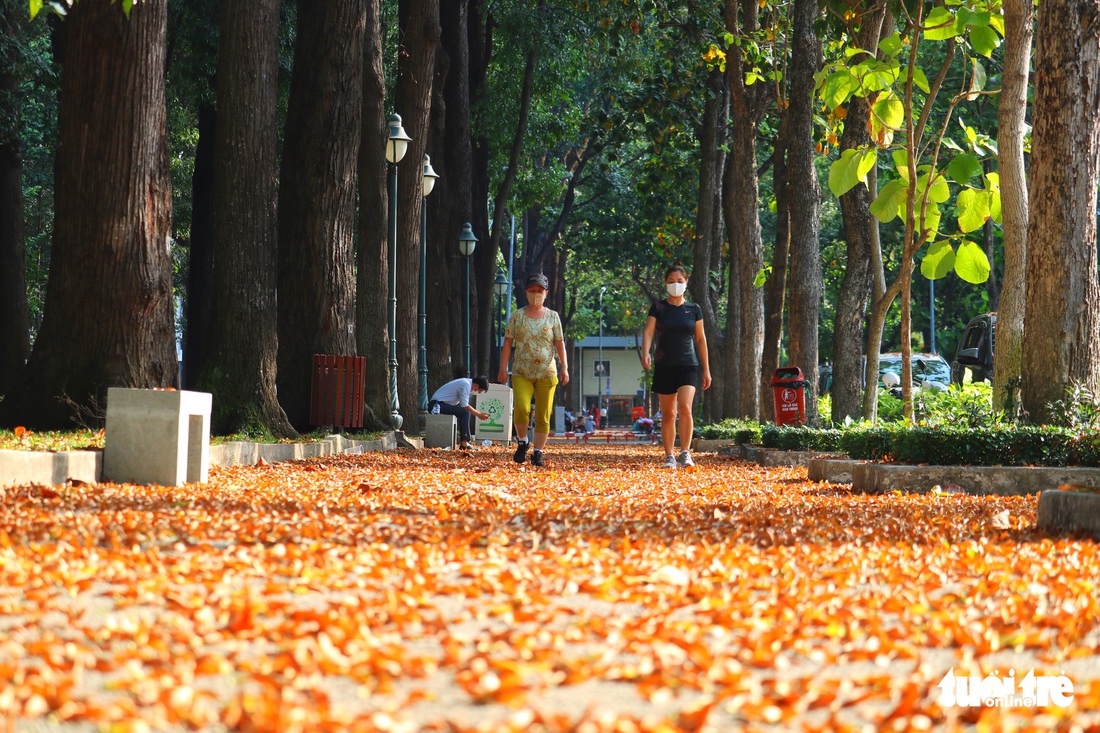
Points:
(930, 371)
(975, 352)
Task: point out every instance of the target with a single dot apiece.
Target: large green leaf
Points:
(839, 88)
(890, 200)
(891, 45)
(984, 40)
(888, 111)
(940, 25)
(36, 6)
(920, 81)
(971, 263)
(849, 170)
(995, 207)
(901, 162)
(939, 261)
(977, 80)
(964, 167)
(973, 208)
(939, 192)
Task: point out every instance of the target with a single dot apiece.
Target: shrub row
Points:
(1005, 445)
(735, 429)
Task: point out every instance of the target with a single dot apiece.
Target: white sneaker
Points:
(670, 462)
(685, 459)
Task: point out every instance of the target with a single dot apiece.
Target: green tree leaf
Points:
(890, 200)
(973, 208)
(839, 88)
(939, 261)
(940, 25)
(971, 263)
(977, 80)
(984, 40)
(36, 6)
(888, 111)
(964, 167)
(849, 170)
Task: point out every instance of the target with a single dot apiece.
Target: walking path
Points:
(455, 591)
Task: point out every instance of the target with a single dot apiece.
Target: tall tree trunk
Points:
(855, 288)
(241, 357)
(420, 31)
(372, 336)
(775, 289)
(449, 206)
(1011, 117)
(14, 323)
(744, 342)
(200, 262)
(705, 241)
(1062, 299)
(108, 314)
(805, 202)
(317, 197)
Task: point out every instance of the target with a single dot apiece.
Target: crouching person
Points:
(453, 398)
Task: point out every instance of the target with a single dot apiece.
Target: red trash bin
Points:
(789, 396)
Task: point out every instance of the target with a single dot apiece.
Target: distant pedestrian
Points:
(453, 398)
(536, 333)
(677, 326)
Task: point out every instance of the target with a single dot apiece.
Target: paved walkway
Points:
(456, 591)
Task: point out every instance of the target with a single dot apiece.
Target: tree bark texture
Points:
(744, 342)
(14, 323)
(1062, 304)
(200, 261)
(805, 201)
(855, 288)
(419, 31)
(775, 289)
(1011, 118)
(316, 274)
(449, 206)
(706, 243)
(372, 336)
(108, 318)
(241, 366)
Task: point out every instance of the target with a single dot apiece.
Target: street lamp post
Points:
(599, 398)
(466, 244)
(428, 183)
(396, 146)
(500, 287)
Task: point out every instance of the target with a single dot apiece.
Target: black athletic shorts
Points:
(669, 379)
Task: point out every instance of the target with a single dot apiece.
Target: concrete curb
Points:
(699, 445)
(879, 478)
(832, 470)
(1069, 511)
(772, 457)
(18, 467)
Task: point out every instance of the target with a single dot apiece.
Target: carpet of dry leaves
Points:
(448, 591)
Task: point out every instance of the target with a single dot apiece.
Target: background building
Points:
(621, 381)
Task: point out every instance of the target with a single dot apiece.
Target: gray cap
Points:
(537, 279)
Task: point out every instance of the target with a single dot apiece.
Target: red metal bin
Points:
(789, 396)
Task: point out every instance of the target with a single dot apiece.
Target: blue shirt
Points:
(455, 392)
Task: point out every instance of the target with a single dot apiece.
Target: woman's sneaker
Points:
(521, 451)
(670, 462)
(536, 458)
(685, 459)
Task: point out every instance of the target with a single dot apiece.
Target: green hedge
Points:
(735, 429)
(947, 446)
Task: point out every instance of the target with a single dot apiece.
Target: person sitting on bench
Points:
(453, 398)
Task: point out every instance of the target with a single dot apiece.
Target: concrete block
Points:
(157, 436)
(20, 467)
(832, 470)
(1069, 511)
(441, 431)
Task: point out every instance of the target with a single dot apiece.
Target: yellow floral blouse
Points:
(533, 342)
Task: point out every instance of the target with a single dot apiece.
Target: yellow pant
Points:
(543, 391)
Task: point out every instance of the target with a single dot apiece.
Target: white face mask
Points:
(676, 289)
(536, 299)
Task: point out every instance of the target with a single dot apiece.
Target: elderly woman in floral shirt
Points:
(535, 334)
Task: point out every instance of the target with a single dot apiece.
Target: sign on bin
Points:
(497, 401)
(789, 396)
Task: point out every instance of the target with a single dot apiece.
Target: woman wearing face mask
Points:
(536, 333)
(681, 356)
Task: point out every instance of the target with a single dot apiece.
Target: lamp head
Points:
(398, 142)
(467, 242)
(430, 176)
(500, 285)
